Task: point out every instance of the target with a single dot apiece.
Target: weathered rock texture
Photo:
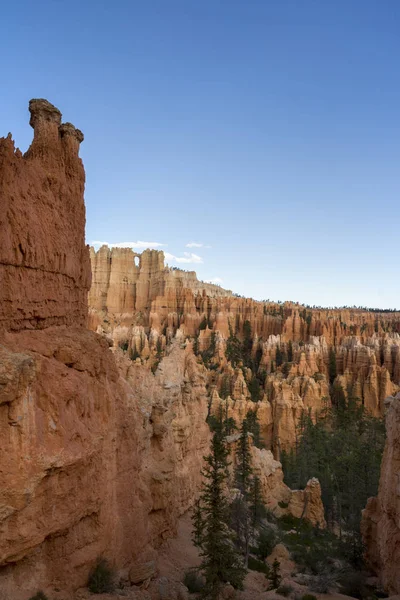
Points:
(44, 263)
(125, 281)
(98, 455)
(141, 308)
(277, 496)
(381, 518)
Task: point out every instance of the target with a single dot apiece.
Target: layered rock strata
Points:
(142, 307)
(44, 263)
(98, 455)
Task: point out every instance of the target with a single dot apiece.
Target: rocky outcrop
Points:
(44, 263)
(98, 455)
(277, 496)
(125, 281)
(381, 518)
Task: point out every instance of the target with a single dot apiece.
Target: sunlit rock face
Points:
(44, 263)
(140, 304)
(98, 455)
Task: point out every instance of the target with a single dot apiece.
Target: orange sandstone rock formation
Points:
(98, 456)
(366, 344)
(381, 518)
(277, 496)
(44, 263)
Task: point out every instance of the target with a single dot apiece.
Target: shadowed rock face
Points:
(44, 262)
(381, 518)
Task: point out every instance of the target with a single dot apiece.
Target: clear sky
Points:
(267, 131)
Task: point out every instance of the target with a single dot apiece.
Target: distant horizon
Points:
(257, 142)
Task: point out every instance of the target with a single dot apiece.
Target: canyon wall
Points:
(44, 263)
(98, 455)
(381, 518)
(125, 281)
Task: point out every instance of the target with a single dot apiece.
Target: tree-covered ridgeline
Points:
(343, 449)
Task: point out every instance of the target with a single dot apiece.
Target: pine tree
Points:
(198, 524)
(221, 562)
(255, 389)
(243, 469)
(290, 351)
(225, 387)
(275, 575)
(257, 508)
(278, 357)
(332, 366)
(253, 425)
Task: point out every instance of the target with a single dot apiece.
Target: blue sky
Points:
(267, 130)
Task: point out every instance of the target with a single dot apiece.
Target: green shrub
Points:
(266, 543)
(193, 581)
(39, 596)
(258, 565)
(275, 575)
(288, 522)
(284, 590)
(101, 578)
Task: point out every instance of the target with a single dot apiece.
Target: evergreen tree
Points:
(229, 426)
(225, 387)
(290, 351)
(241, 523)
(198, 524)
(257, 508)
(243, 469)
(196, 345)
(255, 389)
(278, 356)
(332, 365)
(344, 452)
(221, 563)
(233, 350)
(275, 575)
(253, 425)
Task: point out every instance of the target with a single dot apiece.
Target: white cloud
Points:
(188, 258)
(215, 280)
(196, 245)
(139, 244)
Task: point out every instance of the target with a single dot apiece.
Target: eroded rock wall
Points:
(291, 345)
(98, 455)
(381, 518)
(44, 263)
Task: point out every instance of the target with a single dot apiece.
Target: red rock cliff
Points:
(44, 263)
(98, 456)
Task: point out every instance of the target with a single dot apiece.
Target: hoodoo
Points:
(44, 262)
